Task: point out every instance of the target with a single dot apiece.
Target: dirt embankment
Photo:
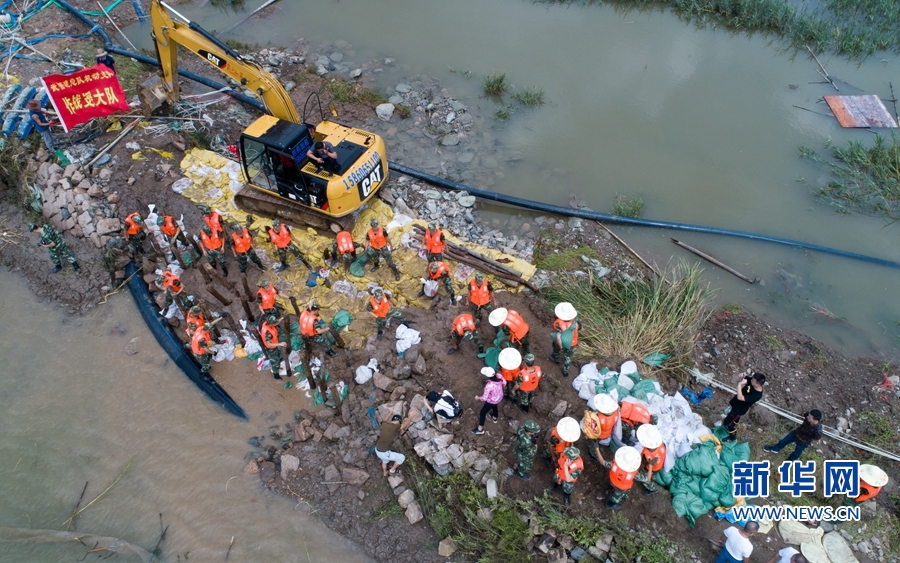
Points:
(338, 475)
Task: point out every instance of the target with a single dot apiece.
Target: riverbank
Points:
(737, 337)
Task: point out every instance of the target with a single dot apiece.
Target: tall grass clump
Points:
(530, 97)
(629, 206)
(622, 318)
(348, 92)
(495, 85)
(864, 179)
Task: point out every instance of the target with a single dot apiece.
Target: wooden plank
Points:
(860, 111)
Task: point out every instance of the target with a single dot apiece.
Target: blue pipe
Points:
(617, 220)
(501, 198)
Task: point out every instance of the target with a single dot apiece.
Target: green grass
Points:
(567, 260)
(855, 28)
(530, 97)
(403, 110)
(240, 45)
(129, 72)
(386, 510)
(632, 319)
(495, 85)
(198, 138)
(774, 342)
(349, 92)
(503, 113)
(629, 206)
(864, 179)
(732, 308)
(878, 429)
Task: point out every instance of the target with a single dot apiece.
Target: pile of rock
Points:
(81, 205)
(560, 549)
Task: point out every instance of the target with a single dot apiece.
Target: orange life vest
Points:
(169, 228)
(133, 227)
(634, 413)
(380, 309)
(606, 422)
(659, 454)
(560, 445)
(561, 326)
(621, 479)
(269, 335)
(377, 238)
(169, 280)
(516, 325)
(531, 376)
(267, 297)
(194, 320)
(479, 295)
(866, 491)
(214, 221)
(462, 323)
(509, 374)
(433, 242)
(308, 323)
(211, 242)
(280, 238)
(442, 269)
(195, 341)
(243, 241)
(344, 242)
(566, 467)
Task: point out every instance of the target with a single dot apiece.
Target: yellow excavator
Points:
(283, 181)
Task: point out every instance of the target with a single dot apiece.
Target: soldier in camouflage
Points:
(115, 256)
(526, 449)
(52, 241)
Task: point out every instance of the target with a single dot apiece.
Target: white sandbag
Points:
(180, 185)
(626, 381)
(363, 374)
(430, 287)
(398, 221)
(406, 338)
(837, 549)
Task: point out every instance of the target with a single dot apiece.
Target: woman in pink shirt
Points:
(492, 396)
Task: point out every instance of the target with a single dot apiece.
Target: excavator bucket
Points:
(153, 95)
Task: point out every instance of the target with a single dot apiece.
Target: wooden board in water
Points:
(860, 111)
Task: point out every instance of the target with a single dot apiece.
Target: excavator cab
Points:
(274, 158)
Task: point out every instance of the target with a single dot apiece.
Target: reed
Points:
(495, 85)
(530, 97)
(622, 318)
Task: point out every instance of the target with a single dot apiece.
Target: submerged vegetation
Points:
(495, 87)
(629, 206)
(856, 28)
(625, 318)
(349, 92)
(864, 179)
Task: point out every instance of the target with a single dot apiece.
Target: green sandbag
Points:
(663, 478)
(720, 432)
(680, 504)
(734, 451)
(684, 484)
(634, 376)
(689, 506)
(341, 319)
(642, 388)
(565, 336)
(655, 359)
(701, 460)
(296, 341)
(357, 269)
(719, 481)
(491, 357)
(726, 499)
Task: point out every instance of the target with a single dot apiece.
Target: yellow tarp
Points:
(216, 179)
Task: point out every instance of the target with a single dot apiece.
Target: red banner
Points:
(84, 95)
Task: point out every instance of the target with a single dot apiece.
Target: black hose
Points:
(494, 196)
(615, 219)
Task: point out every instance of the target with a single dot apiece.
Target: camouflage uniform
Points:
(470, 335)
(381, 322)
(244, 258)
(346, 258)
(58, 250)
(567, 353)
(618, 496)
(114, 256)
(275, 354)
(526, 448)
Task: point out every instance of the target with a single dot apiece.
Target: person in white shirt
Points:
(788, 555)
(735, 544)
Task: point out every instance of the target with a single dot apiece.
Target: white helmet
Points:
(628, 367)
(568, 429)
(649, 437)
(628, 459)
(498, 316)
(565, 311)
(873, 475)
(488, 371)
(510, 358)
(605, 403)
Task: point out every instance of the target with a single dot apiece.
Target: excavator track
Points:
(261, 203)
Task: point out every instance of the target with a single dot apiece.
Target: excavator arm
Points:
(169, 33)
